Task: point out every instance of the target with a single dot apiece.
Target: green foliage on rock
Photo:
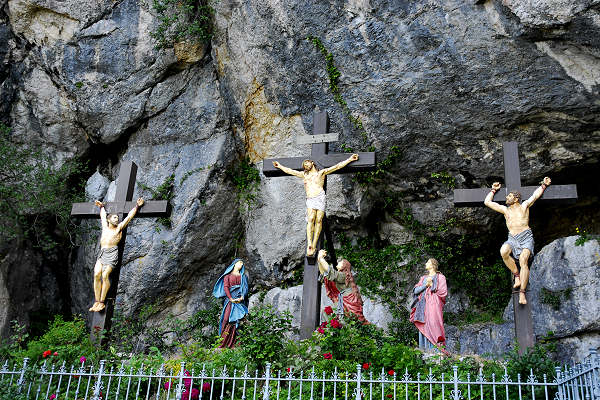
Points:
(246, 179)
(554, 298)
(182, 20)
(36, 194)
(164, 191)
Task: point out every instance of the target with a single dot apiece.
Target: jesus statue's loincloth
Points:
(109, 256)
(518, 242)
(317, 202)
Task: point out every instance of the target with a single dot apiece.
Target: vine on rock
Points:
(182, 20)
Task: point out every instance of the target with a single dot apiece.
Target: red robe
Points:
(228, 331)
(352, 302)
(433, 326)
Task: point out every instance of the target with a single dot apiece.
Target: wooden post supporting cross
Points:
(311, 290)
(122, 204)
(512, 177)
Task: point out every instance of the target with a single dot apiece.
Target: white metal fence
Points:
(108, 382)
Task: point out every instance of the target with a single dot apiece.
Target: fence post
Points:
(179, 389)
(358, 376)
(267, 377)
(456, 395)
(595, 370)
(561, 393)
(98, 384)
(21, 379)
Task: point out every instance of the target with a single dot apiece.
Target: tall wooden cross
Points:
(122, 204)
(512, 177)
(311, 289)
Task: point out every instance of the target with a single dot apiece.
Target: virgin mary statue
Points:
(232, 287)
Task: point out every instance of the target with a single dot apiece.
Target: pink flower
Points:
(335, 324)
(187, 382)
(82, 359)
(46, 353)
(324, 324)
(328, 310)
(185, 395)
(327, 356)
(167, 385)
(205, 387)
(55, 353)
(321, 330)
(52, 396)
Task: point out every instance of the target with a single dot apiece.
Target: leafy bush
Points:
(246, 179)
(262, 336)
(182, 20)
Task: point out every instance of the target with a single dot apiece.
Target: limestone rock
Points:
(96, 187)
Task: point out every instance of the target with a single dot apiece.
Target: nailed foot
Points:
(310, 251)
(522, 299)
(100, 307)
(517, 282)
(93, 308)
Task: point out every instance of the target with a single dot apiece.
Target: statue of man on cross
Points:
(314, 180)
(519, 245)
(112, 232)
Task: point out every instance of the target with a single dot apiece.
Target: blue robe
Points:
(238, 310)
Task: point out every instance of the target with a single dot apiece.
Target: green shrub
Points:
(262, 335)
(182, 20)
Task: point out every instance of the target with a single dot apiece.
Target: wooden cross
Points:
(512, 177)
(122, 204)
(311, 289)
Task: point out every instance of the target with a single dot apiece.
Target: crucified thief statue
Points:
(519, 245)
(314, 180)
(112, 231)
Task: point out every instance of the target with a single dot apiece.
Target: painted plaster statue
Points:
(340, 287)
(232, 287)
(519, 245)
(314, 180)
(112, 232)
(427, 310)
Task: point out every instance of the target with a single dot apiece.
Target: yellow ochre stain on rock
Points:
(264, 127)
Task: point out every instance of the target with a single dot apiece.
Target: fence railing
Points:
(121, 382)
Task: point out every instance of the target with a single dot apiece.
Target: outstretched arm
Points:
(287, 170)
(340, 165)
(489, 199)
(129, 217)
(537, 193)
(102, 212)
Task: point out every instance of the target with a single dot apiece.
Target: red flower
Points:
(46, 353)
(55, 353)
(366, 365)
(321, 330)
(186, 396)
(324, 324)
(167, 385)
(289, 369)
(389, 396)
(335, 324)
(327, 356)
(328, 310)
(391, 372)
(205, 387)
(52, 396)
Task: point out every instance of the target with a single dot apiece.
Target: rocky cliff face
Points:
(444, 81)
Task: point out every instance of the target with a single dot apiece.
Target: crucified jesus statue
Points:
(314, 180)
(112, 232)
(519, 245)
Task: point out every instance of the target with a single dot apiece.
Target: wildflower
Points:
(46, 353)
(327, 356)
(328, 310)
(82, 359)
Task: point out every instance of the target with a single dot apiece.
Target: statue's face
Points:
(238, 266)
(511, 199)
(429, 266)
(114, 219)
(307, 165)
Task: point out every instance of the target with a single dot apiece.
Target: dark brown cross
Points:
(101, 321)
(512, 177)
(311, 289)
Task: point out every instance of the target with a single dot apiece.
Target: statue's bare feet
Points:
(310, 251)
(517, 282)
(100, 307)
(522, 299)
(93, 308)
